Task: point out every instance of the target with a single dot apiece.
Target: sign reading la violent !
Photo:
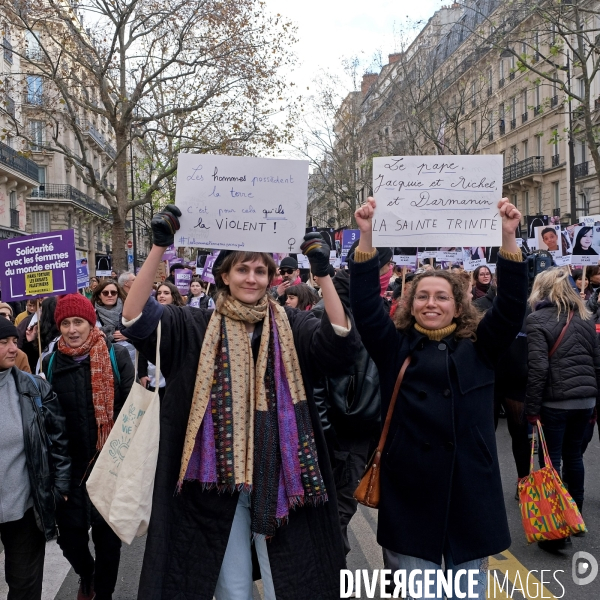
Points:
(241, 203)
(43, 264)
(437, 201)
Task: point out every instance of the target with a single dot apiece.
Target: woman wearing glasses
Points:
(441, 493)
(108, 300)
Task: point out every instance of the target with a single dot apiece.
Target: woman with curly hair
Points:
(441, 493)
(301, 296)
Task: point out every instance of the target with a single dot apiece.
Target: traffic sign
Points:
(129, 244)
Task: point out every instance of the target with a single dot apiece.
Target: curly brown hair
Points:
(468, 318)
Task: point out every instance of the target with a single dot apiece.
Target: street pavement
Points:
(523, 564)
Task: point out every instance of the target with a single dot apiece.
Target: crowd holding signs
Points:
(429, 207)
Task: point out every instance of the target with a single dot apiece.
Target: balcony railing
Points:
(10, 158)
(110, 150)
(34, 53)
(555, 160)
(501, 82)
(90, 129)
(68, 192)
(8, 53)
(554, 101)
(513, 123)
(537, 111)
(581, 170)
(511, 76)
(524, 168)
(502, 127)
(14, 218)
(524, 117)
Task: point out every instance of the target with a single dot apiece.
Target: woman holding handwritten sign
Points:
(441, 493)
(242, 455)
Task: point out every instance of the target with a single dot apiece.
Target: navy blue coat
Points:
(440, 478)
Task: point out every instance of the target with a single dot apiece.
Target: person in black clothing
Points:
(440, 467)
(563, 384)
(92, 379)
(34, 470)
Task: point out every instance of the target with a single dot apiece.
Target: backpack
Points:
(113, 362)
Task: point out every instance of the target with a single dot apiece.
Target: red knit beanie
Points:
(74, 305)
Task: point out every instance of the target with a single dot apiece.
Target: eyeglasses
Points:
(437, 298)
(286, 271)
(109, 293)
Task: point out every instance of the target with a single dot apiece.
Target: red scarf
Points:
(103, 391)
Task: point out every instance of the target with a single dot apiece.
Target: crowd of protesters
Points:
(273, 389)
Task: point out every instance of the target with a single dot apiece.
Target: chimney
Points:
(392, 58)
(367, 81)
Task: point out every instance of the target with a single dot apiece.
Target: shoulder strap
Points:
(390, 412)
(115, 366)
(50, 362)
(561, 336)
(38, 398)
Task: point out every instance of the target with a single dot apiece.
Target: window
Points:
(473, 94)
(501, 72)
(9, 141)
(540, 209)
(538, 145)
(514, 102)
(538, 99)
(69, 221)
(34, 50)
(583, 152)
(581, 88)
(514, 200)
(582, 203)
(525, 149)
(556, 194)
(42, 180)
(37, 134)
(80, 231)
(34, 89)
(513, 154)
(526, 203)
(40, 221)
(490, 78)
(13, 200)
(98, 240)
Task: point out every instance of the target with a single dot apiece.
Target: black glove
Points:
(164, 225)
(315, 248)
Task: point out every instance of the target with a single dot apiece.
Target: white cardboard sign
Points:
(437, 200)
(241, 203)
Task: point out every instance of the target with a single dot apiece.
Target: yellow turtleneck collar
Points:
(436, 334)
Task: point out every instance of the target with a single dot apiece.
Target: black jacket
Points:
(48, 462)
(72, 383)
(573, 372)
(440, 477)
(485, 302)
(188, 531)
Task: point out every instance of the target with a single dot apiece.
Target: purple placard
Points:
(43, 264)
(349, 236)
(183, 278)
(207, 274)
(170, 253)
(176, 261)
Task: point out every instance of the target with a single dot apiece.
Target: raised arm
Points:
(164, 226)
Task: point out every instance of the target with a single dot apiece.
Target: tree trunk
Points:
(119, 237)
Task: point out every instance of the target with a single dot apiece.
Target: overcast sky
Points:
(329, 30)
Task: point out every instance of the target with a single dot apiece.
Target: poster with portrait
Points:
(586, 245)
(549, 238)
(473, 257)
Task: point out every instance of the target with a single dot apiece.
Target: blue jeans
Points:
(394, 560)
(564, 431)
(235, 579)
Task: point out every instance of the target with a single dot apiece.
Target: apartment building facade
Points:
(40, 190)
(452, 91)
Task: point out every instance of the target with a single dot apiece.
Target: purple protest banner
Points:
(170, 253)
(207, 274)
(183, 278)
(43, 264)
(349, 236)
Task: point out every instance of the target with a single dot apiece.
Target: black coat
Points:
(573, 372)
(188, 531)
(48, 462)
(440, 478)
(72, 383)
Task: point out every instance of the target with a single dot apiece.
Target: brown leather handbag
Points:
(368, 490)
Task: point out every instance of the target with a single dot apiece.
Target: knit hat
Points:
(74, 305)
(288, 262)
(6, 305)
(7, 329)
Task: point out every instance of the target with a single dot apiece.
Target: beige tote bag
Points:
(122, 481)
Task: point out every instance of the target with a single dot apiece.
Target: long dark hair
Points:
(96, 296)
(47, 327)
(307, 297)
(577, 247)
(467, 320)
(175, 293)
(476, 275)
